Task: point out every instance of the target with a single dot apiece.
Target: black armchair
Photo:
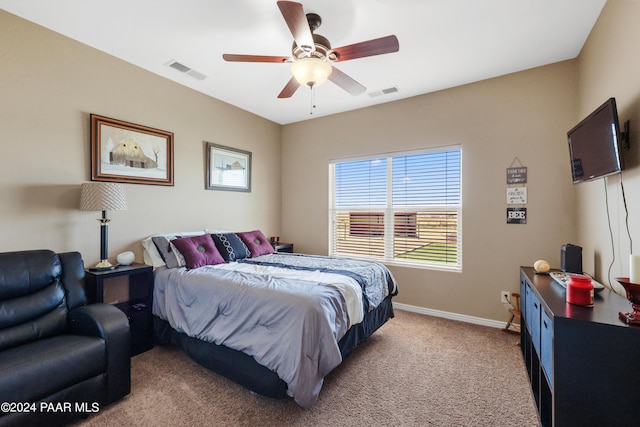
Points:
(60, 359)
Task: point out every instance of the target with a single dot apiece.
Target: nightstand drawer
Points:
(140, 326)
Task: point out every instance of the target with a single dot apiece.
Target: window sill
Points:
(451, 269)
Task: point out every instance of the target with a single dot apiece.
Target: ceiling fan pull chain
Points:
(313, 100)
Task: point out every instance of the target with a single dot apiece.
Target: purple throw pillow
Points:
(256, 242)
(198, 251)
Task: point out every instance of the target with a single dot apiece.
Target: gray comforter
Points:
(289, 319)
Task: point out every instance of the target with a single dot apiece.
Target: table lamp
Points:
(103, 196)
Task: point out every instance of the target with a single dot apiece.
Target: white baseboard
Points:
(453, 316)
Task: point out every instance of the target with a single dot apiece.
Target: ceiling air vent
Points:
(387, 91)
(186, 70)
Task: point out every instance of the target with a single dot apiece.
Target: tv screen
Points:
(594, 145)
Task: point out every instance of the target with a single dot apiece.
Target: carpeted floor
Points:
(415, 371)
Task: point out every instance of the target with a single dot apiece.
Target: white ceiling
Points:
(443, 43)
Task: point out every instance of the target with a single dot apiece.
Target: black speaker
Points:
(571, 258)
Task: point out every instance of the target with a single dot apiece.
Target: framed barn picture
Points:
(228, 169)
(130, 153)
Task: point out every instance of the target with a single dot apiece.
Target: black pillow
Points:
(230, 246)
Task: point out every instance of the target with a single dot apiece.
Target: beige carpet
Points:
(415, 371)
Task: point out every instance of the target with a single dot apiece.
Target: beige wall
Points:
(609, 66)
(49, 85)
(524, 115)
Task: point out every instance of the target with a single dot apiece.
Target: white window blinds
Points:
(403, 208)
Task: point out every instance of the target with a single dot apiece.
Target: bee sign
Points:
(516, 215)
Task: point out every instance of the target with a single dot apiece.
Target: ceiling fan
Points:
(312, 55)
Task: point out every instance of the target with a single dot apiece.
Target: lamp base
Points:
(103, 265)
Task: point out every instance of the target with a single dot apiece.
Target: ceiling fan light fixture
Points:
(311, 71)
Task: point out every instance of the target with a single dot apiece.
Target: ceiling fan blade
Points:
(296, 19)
(346, 82)
(254, 58)
(388, 44)
(289, 89)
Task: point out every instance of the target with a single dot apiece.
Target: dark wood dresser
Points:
(583, 362)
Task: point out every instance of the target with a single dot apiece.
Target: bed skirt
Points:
(243, 369)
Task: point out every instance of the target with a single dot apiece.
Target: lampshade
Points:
(102, 196)
(311, 71)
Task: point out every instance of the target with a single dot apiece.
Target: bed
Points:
(275, 323)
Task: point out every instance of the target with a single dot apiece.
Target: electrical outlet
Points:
(505, 296)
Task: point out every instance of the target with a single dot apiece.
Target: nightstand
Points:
(282, 247)
(135, 298)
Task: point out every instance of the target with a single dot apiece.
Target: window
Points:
(402, 208)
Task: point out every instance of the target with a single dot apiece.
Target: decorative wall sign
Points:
(228, 168)
(517, 175)
(516, 215)
(126, 152)
(517, 195)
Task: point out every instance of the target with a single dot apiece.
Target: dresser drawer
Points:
(546, 346)
(533, 318)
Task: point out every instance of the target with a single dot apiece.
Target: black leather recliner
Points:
(60, 359)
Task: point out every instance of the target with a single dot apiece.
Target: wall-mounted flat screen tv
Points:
(594, 144)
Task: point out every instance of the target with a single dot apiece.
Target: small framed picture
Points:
(130, 153)
(228, 169)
